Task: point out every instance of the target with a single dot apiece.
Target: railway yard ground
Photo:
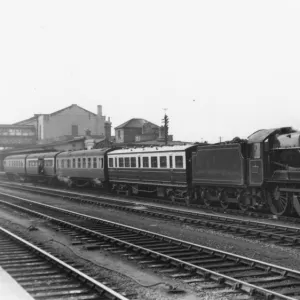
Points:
(137, 280)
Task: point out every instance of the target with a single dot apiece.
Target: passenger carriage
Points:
(83, 168)
(41, 166)
(14, 167)
(160, 171)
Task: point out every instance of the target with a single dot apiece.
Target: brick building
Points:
(136, 130)
(69, 122)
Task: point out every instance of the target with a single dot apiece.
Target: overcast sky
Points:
(222, 68)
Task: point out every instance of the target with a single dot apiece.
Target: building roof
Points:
(54, 113)
(135, 123)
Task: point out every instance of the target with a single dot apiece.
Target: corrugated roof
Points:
(135, 123)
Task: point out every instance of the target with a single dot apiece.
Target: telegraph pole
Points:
(166, 126)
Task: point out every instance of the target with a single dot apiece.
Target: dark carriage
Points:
(83, 168)
(41, 167)
(15, 166)
(161, 171)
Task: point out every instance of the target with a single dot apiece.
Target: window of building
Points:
(94, 162)
(154, 162)
(179, 161)
(163, 161)
(127, 162)
(78, 162)
(111, 162)
(171, 162)
(89, 162)
(119, 134)
(145, 162)
(121, 162)
(84, 162)
(133, 162)
(74, 130)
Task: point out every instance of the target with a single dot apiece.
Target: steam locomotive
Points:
(262, 171)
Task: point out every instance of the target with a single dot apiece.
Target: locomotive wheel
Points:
(279, 202)
(244, 201)
(223, 198)
(205, 195)
(171, 197)
(296, 204)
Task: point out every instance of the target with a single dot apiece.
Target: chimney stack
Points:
(99, 110)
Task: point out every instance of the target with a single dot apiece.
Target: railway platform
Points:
(10, 289)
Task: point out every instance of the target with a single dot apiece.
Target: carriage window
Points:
(89, 162)
(171, 162)
(116, 162)
(84, 162)
(94, 162)
(163, 161)
(111, 162)
(48, 163)
(127, 164)
(133, 162)
(256, 150)
(153, 162)
(145, 162)
(62, 163)
(178, 161)
(79, 163)
(121, 162)
(100, 163)
(57, 163)
(73, 163)
(68, 163)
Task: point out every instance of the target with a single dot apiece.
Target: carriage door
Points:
(41, 166)
(256, 165)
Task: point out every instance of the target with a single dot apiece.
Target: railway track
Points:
(44, 276)
(285, 236)
(191, 263)
(92, 194)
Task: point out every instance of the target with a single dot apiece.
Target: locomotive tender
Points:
(263, 170)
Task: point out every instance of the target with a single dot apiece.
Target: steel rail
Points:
(83, 279)
(283, 235)
(194, 206)
(207, 273)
